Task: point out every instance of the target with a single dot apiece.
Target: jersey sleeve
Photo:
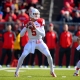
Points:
(23, 32)
(41, 21)
(41, 29)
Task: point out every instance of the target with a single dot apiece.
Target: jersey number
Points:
(33, 31)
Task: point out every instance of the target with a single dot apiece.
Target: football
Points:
(30, 24)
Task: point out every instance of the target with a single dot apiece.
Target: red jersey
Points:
(65, 39)
(51, 39)
(14, 17)
(24, 39)
(23, 18)
(75, 44)
(8, 40)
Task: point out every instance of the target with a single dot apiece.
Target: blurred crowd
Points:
(17, 10)
(70, 11)
(13, 46)
(15, 13)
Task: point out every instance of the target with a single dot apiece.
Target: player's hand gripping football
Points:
(30, 24)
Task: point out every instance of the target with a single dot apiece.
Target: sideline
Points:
(37, 68)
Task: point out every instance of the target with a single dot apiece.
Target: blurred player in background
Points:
(78, 63)
(35, 28)
(77, 69)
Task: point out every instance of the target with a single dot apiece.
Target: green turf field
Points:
(37, 74)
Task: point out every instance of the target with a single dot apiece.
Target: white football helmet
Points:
(34, 13)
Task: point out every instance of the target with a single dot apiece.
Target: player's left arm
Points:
(23, 32)
(41, 29)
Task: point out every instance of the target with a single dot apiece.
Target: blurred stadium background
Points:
(56, 11)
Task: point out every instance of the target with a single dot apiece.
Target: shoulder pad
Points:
(41, 21)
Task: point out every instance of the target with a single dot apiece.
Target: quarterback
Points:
(35, 29)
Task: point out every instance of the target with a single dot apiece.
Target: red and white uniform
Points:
(38, 33)
(35, 36)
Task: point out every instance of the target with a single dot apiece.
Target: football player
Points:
(36, 31)
(78, 63)
(77, 69)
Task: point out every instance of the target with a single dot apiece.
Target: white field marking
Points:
(63, 76)
(13, 70)
(29, 76)
(39, 68)
(2, 68)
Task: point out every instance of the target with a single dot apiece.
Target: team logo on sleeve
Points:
(53, 34)
(68, 35)
(10, 35)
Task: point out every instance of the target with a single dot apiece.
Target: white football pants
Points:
(41, 46)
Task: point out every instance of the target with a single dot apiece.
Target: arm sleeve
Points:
(41, 31)
(23, 32)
